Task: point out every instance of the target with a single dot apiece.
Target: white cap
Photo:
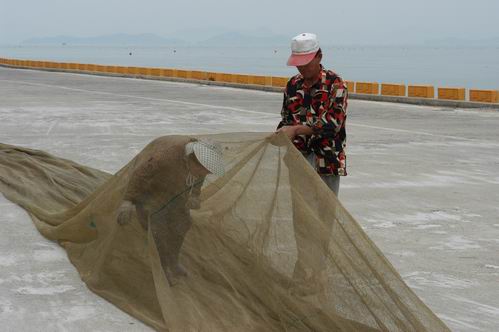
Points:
(209, 154)
(303, 49)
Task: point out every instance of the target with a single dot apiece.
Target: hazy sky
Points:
(336, 22)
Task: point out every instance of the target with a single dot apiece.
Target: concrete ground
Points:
(423, 183)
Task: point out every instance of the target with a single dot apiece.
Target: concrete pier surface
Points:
(423, 182)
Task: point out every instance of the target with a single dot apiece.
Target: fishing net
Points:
(266, 247)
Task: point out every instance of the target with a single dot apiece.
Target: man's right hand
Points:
(289, 131)
(125, 212)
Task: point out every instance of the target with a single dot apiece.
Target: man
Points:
(164, 185)
(313, 117)
(314, 111)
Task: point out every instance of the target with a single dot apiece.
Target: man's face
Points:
(311, 69)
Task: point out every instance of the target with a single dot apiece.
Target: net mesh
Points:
(266, 247)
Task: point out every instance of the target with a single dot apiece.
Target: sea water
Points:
(468, 67)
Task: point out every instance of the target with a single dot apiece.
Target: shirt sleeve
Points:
(284, 109)
(332, 110)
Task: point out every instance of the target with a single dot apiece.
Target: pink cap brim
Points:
(300, 59)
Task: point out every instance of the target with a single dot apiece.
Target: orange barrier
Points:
(144, 71)
(257, 80)
(452, 93)
(484, 96)
(241, 79)
(279, 81)
(421, 91)
(373, 88)
(369, 88)
(199, 75)
(100, 68)
(133, 70)
(155, 71)
(121, 69)
(350, 86)
(165, 72)
(223, 77)
(211, 76)
(393, 89)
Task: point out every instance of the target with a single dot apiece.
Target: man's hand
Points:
(292, 131)
(125, 212)
(289, 131)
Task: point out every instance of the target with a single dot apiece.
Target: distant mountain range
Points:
(120, 39)
(149, 39)
(242, 39)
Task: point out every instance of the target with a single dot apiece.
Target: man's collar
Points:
(318, 79)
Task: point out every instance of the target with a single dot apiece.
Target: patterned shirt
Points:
(323, 108)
